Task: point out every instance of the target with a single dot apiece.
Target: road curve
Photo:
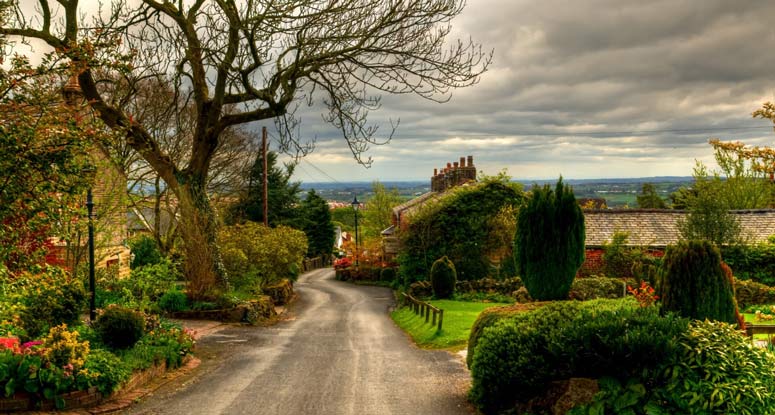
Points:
(341, 354)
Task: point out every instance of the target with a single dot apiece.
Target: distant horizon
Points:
(609, 179)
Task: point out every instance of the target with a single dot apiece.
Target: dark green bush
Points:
(590, 288)
(489, 317)
(518, 357)
(120, 328)
(388, 274)
(145, 251)
(693, 283)
(443, 278)
(173, 300)
(752, 262)
(549, 243)
(749, 293)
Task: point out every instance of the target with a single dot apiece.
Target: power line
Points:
(321, 171)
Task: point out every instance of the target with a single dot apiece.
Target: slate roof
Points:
(659, 227)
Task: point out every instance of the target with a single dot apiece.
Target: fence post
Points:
(441, 317)
(427, 312)
(434, 318)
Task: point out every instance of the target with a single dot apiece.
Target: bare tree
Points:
(238, 62)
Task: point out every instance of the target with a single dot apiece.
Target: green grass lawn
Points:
(459, 316)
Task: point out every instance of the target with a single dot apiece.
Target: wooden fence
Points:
(751, 329)
(424, 309)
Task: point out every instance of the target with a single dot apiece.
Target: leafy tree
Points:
(282, 194)
(549, 244)
(649, 199)
(317, 225)
(42, 160)
(378, 210)
(345, 217)
(244, 62)
(709, 217)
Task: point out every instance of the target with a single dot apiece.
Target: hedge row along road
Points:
(341, 354)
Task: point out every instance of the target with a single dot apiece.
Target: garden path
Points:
(338, 353)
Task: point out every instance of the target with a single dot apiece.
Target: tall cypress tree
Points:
(317, 225)
(549, 243)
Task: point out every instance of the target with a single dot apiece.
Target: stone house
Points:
(655, 229)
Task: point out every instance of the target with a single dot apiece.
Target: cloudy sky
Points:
(586, 89)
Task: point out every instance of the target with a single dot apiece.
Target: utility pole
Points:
(266, 181)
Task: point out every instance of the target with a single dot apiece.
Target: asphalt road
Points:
(339, 354)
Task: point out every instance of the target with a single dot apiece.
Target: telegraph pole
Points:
(266, 181)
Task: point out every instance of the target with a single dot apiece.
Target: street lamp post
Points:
(92, 284)
(355, 204)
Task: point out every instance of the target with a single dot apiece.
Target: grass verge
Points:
(459, 316)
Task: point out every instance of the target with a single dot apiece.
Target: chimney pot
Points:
(462, 161)
(457, 165)
(470, 161)
(449, 165)
(435, 172)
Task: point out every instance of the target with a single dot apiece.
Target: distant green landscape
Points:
(617, 192)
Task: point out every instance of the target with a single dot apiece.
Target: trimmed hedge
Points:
(516, 358)
(443, 278)
(489, 317)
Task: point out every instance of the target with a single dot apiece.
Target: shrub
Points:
(694, 285)
(255, 256)
(596, 287)
(120, 328)
(387, 274)
(62, 348)
(520, 355)
(752, 262)
(549, 244)
(489, 317)
(145, 251)
(110, 372)
(173, 300)
(443, 278)
(750, 293)
(47, 299)
(719, 371)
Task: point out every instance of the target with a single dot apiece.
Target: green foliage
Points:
(517, 357)
(317, 225)
(111, 371)
(173, 300)
(737, 184)
(46, 299)
(443, 278)
(145, 251)
(282, 194)
(709, 217)
(142, 289)
(752, 261)
(549, 243)
(488, 318)
(387, 274)
(649, 199)
(750, 293)
(693, 283)
(378, 210)
(718, 371)
(457, 225)
(256, 256)
(43, 152)
(590, 288)
(120, 328)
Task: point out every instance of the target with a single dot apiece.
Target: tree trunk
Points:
(198, 227)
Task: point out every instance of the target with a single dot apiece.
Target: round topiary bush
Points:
(443, 278)
(120, 328)
(173, 300)
(694, 285)
(387, 274)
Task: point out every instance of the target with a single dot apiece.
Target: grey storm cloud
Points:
(635, 88)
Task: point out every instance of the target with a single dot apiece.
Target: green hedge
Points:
(752, 262)
(518, 357)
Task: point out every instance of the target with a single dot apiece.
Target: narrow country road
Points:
(341, 354)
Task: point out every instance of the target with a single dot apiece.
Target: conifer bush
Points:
(693, 283)
(120, 328)
(443, 278)
(549, 243)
